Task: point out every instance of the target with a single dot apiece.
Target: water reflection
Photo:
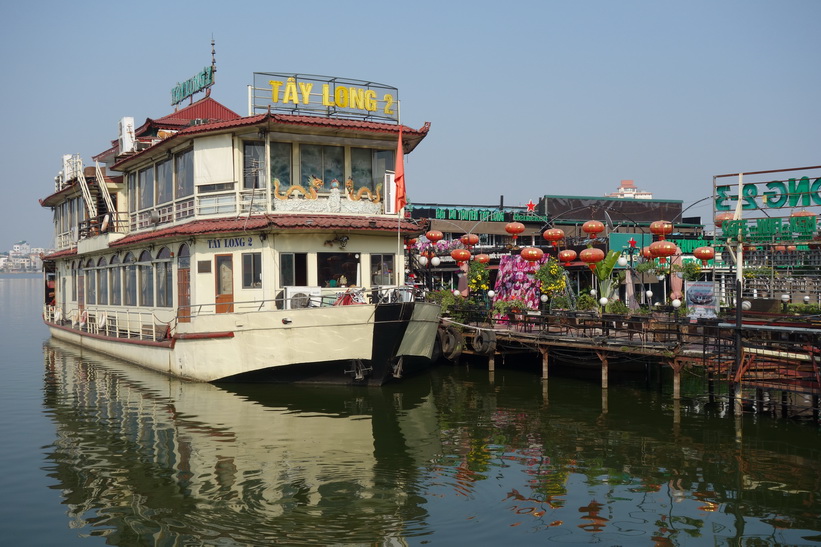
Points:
(143, 458)
(455, 456)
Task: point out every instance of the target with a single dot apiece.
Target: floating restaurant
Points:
(597, 283)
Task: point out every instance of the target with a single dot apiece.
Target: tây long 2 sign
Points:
(326, 95)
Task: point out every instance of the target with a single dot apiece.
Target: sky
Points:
(525, 98)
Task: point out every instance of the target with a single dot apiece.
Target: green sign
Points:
(770, 229)
(203, 80)
(771, 195)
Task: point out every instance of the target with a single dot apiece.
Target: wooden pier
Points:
(752, 359)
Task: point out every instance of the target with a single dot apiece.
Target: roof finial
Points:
(213, 67)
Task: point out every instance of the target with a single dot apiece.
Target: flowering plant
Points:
(478, 277)
(551, 277)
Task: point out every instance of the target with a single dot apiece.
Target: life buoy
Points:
(104, 225)
(75, 317)
(452, 342)
(484, 342)
(102, 317)
(84, 317)
(58, 315)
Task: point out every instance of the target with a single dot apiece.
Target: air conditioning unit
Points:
(302, 297)
(126, 135)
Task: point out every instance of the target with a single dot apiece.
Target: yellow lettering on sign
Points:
(341, 97)
(370, 100)
(357, 98)
(305, 88)
(326, 95)
(275, 90)
(389, 100)
(290, 95)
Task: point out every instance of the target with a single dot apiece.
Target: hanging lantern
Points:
(592, 228)
(591, 256)
(514, 229)
(434, 235)
(704, 254)
(780, 248)
(553, 235)
(721, 218)
(661, 228)
(460, 255)
(532, 254)
(469, 240)
(409, 243)
(662, 249)
(567, 256)
(791, 248)
(801, 213)
(646, 254)
(482, 258)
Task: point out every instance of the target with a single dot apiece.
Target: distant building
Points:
(627, 190)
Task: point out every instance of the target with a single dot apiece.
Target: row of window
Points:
(134, 281)
(147, 280)
(290, 163)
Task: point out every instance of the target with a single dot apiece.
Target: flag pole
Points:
(399, 199)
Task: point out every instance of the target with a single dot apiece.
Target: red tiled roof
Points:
(286, 222)
(61, 254)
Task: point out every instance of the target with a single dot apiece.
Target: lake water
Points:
(97, 451)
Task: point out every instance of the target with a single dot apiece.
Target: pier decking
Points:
(753, 359)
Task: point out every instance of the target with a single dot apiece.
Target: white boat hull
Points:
(363, 343)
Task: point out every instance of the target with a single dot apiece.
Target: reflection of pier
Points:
(775, 368)
(136, 449)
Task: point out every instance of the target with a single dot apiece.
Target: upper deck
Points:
(205, 162)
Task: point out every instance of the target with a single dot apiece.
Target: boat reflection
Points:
(149, 459)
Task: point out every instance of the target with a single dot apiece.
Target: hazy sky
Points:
(524, 98)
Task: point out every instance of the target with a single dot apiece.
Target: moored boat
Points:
(212, 246)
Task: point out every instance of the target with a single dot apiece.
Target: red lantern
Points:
(514, 229)
(779, 248)
(591, 256)
(553, 235)
(567, 256)
(645, 252)
(482, 258)
(661, 228)
(704, 254)
(469, 240)
(791, 248)
(662, 249)
(460, 255)
(532, 254)
(434, 235)
(721, 217)
(802, 213)
(592, 228)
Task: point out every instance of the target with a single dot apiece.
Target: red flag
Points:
(399, 175)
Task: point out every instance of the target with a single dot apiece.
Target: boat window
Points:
(164, 275)
(368, 167)
(132, 192)
(130, 280)
(281, 163)
(145, 188)
(324, 162)
(253, 165)
(146, 279)
(165, 185)
(90, 288)
(102, 281)
(293, 269)
(381, 269)
(115, 274)
(184, 174)
(251, 270)
(338, 269)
